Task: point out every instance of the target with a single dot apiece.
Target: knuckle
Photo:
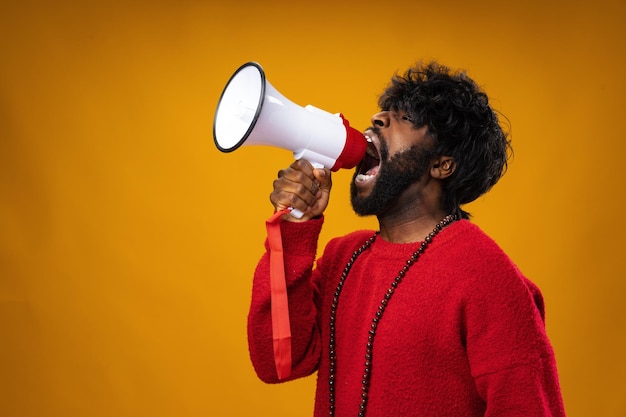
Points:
(301, 189)
(299, 176)
(299, 163)
(292, 199)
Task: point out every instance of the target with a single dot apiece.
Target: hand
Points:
(302, 187)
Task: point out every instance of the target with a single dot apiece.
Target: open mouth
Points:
(370, 164)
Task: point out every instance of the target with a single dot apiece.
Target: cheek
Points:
(399, 146)
(405, 138)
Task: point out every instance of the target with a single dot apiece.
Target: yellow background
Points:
(127, 241)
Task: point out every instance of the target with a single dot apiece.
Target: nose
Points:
(381, 119)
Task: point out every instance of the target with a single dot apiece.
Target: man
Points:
(427, 317)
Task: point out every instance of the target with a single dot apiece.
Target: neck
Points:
(405, 230)
(410, 219)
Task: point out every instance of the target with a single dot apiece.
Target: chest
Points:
(423, 313)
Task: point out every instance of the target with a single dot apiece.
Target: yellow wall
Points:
(127, 241)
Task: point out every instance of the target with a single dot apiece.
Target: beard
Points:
(395, 176)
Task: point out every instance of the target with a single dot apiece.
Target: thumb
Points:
(324, 178)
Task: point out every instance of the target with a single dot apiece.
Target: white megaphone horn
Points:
(251, 111)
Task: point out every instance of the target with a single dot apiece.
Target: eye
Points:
(402, 115)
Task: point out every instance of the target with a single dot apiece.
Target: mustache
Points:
(375, 129)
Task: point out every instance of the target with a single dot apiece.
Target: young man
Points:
(428, 316)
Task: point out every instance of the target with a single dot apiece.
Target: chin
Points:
(366, 205)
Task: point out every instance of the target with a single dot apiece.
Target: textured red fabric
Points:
(463, 335)
(281, 328)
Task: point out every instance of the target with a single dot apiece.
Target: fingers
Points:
(295, 186)
(324, 182)
(301, 186)
(323, 177)
(315, 187)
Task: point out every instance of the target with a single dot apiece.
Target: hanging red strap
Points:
(281, 329)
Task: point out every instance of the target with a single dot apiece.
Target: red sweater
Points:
(463, 334)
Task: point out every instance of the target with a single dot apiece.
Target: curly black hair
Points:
(462, 124)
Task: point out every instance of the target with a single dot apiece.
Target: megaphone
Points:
(251, 112)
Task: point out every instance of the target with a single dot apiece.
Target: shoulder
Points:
(339, 249)
(476, 259)
(484, 269)
(467, 242)
(350, 242)
(337, 253)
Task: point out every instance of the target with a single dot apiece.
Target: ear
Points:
(442, 167)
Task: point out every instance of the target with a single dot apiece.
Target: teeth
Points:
(363, 177)
(367, 138)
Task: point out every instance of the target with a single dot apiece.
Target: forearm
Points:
(299, 244)
(510, 354)
(524, 390)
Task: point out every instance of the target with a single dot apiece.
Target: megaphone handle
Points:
(294, 212)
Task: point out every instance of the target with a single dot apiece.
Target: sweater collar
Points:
(391, 250)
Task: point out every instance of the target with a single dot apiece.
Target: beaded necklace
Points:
(365, 382)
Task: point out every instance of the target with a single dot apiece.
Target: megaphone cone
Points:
(251, 112)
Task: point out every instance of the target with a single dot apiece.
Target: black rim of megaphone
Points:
(258, 109)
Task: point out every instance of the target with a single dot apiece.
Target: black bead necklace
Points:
(365, 382)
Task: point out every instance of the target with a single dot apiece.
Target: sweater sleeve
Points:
(299, 250)
(510, 355)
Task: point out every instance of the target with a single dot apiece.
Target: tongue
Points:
(372, 171)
